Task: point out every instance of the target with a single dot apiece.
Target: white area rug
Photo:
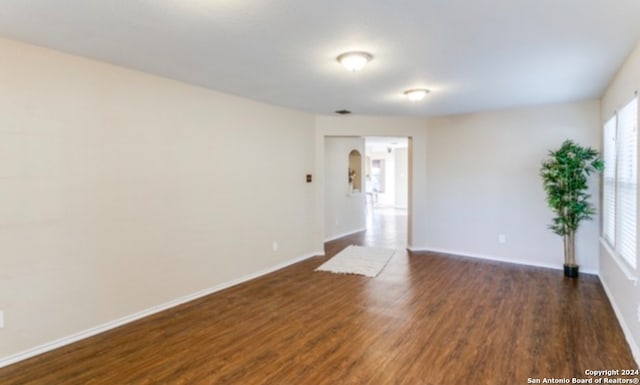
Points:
(367, 261)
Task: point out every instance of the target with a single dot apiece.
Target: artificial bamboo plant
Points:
(564, 176)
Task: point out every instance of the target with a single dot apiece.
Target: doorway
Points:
(387, 173)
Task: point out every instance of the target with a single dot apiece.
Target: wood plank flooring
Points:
(426, 319)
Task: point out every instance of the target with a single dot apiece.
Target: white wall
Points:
(120, 191)
(380, 126)
(401, 177)
(624, 295)
(344, 211)
(483, 181)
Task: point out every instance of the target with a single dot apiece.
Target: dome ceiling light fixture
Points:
(416, 94)
(354, 60)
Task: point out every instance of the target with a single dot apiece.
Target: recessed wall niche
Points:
(355, 171)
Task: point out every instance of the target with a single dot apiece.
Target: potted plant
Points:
(564, 177)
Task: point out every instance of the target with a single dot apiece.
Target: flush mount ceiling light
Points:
(355, 60)
(416, 94)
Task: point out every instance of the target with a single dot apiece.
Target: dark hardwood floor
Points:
(426, 319)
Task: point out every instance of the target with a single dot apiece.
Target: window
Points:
(378, 175)
(609, 183)
(620, 182)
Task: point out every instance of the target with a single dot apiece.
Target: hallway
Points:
(386, 227)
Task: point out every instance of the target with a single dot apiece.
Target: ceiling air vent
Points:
(343, 112)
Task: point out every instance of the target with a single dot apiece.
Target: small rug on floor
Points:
(367, 261)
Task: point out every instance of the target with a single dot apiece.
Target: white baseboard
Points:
(498, 259)
(12, 359)
(635, 350)
(345, 234)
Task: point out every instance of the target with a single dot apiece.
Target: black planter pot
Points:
(571, 271)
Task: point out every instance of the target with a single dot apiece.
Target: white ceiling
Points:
(473, 54)
(382, 143)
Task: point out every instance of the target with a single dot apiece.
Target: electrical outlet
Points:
(1, 319)
(502, 238)
(638, 312)
(274, 246)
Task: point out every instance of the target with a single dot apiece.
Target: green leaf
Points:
(565, 181)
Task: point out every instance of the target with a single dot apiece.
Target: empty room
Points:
(285, 192)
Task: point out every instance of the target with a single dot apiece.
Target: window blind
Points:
(609, 183)
(626, 181)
